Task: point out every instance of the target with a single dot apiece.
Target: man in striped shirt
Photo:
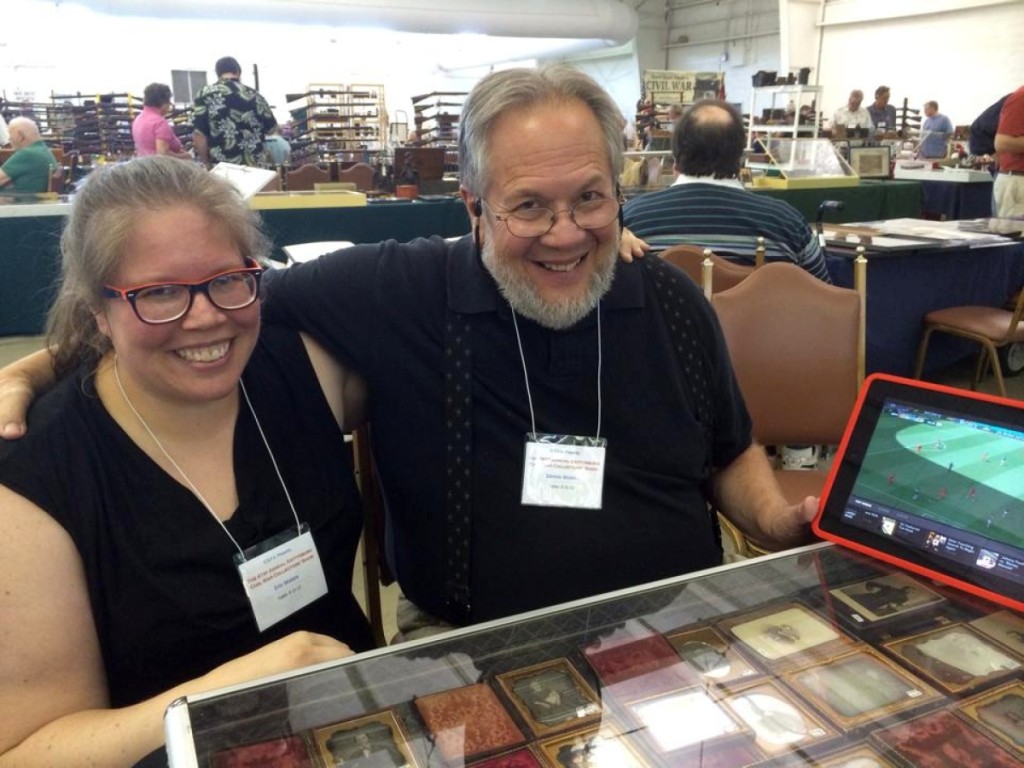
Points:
(708, 206)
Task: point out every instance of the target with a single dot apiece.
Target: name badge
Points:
(281, 576)
(564, 471)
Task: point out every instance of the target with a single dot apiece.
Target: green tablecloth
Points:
(870, 201)
(30, 244)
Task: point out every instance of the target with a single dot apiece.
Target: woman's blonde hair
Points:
(103, 217)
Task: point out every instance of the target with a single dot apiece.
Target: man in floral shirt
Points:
(231, 120)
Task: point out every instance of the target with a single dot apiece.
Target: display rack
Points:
(790, 110)
(336, 122)
(436, 117)
(909, 121)
(97, 125)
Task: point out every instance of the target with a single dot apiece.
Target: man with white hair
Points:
(28, 170)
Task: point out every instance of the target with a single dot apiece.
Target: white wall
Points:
(964, 54)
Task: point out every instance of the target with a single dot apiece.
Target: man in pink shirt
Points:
(152, 133)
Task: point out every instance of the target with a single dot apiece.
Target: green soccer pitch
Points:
(948, 472)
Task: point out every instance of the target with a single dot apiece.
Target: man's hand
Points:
(15, 398)
(631, 246)
(792, 527)
(20, 383)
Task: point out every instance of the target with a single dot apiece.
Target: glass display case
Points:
(814, 657)
(801, 163)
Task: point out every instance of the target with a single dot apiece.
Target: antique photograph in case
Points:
(712, 657)
(788, 636)
(524, 757)
(1000, 713)
(779, 722)
(684, 719)
(600, 746)
(376, 739)
(884, 597)
(468, 722)
(285, 752)
(1005, 627)
(957, 659)
(633, 665)
(861, 756)
(859, 687)
(551, 696)
(943, 740)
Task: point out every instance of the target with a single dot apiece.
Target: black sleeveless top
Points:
(167, 600)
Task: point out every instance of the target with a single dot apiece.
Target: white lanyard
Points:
(280, 575)
(259, 427)
(563, 470)
(526, 377)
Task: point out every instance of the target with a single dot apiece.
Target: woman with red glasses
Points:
(152, 517)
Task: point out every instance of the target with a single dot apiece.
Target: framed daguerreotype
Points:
(861, 756)
(779, 722)
(1006, 627)
(957, 659)
(600, 746)
(551, 696)
(859, 688)
(468, 722)
(285, 752)
(788, 636)
(943, 740)
(1000, 713)
(524, 757)
(684, 719)
(712, 657)
(884, 597)
(376, 739)
(632, 666)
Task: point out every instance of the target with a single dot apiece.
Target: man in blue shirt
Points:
(935, 132)
(883, 114)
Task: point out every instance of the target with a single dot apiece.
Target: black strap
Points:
(458, 465)
(690, 354)
(692, 358)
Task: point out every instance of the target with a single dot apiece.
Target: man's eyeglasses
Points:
(593, 213)
(158, 303)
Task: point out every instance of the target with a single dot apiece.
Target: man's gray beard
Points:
(524, 298)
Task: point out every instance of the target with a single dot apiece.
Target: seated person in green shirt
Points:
(28, 170)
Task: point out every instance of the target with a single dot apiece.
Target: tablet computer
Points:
(931, 478)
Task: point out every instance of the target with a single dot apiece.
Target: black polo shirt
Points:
(426, 325)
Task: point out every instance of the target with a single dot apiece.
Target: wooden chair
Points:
(797, 347)
(360, 173)
(375, 568)
(304, 177)
(706, 269)
(55, 184)
(991, 327)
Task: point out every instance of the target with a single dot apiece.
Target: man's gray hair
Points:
(516, 89)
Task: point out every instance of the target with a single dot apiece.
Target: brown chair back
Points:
(797, 346)
(725, 274)
(303, 178)
(360, 173)
(375, 568)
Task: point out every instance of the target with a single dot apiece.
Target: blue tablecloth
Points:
(956, 200)
(903, 287)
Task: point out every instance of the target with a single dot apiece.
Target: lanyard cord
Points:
(259, 427)
(526, 376)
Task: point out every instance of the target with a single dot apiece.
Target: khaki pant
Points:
(414, 623)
